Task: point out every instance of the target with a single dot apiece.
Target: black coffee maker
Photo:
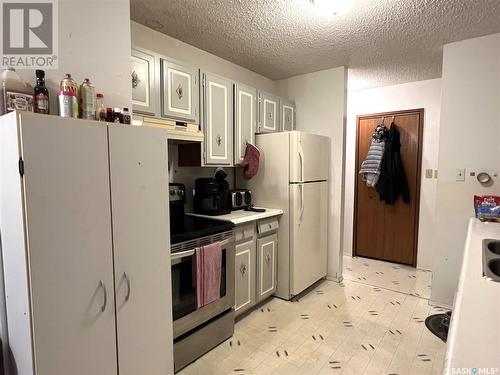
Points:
(211, 195)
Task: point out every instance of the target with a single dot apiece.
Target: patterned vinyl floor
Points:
(372, 323)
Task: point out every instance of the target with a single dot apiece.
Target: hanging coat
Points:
(392, 180)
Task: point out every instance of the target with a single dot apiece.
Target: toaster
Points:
(240, 198)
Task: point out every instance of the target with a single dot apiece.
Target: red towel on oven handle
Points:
(250, 162)
(208, 273)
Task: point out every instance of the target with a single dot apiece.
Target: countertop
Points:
(474, 335)
(241, 216)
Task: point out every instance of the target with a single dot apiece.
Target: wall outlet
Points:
(460, 174)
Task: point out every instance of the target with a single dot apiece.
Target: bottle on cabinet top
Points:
(41, 94)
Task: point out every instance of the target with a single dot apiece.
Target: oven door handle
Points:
(182, 254)
(188, 253)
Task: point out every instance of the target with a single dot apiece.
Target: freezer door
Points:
(308, 224)
(309, 157)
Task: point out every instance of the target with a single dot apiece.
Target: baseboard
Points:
(440, 304)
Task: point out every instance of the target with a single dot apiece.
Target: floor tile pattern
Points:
(337, 328)
(397, 277)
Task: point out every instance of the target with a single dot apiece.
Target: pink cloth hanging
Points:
(208, 273)
(250, 162)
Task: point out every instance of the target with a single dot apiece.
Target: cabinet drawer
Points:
(268, 225)
(244, 232)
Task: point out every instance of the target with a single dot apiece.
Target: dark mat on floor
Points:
(438, 324)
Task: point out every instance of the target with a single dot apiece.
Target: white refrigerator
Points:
(293, 175)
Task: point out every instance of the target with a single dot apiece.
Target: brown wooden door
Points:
(381, 231)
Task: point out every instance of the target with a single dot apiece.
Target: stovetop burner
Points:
(194, 227)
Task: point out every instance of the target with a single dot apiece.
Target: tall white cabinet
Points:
(85, 246)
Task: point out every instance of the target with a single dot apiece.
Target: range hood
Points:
(181, 132)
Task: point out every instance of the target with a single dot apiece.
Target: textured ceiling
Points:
(381, 41)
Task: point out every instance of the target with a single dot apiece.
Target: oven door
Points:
(185, 314)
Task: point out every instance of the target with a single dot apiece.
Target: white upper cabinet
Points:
(217, 120)
(287, 116)
(179, 91)
(245, 119)
(269, 113)
(144, 81)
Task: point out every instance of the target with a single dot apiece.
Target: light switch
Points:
(460, 174)
(428, 173)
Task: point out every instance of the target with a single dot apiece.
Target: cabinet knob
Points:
(243, 269)
(180, 92)
(218, 140)
(268, 258)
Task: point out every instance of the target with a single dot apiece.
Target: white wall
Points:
(320, 99)
(94, 43)
(423, 94)
(145, 37)
(469, 138)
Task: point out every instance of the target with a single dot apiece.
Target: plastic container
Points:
(15, 94)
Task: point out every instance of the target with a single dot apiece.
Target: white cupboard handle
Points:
(105, 294)
(127, 280)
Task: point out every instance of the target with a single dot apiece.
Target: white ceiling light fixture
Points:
(335, 7)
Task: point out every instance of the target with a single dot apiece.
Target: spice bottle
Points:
(117, 115)
(101, 109)
(126, 116)
(41, 94)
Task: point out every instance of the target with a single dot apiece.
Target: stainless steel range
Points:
(197, 330)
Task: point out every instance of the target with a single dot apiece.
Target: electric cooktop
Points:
(195, 227)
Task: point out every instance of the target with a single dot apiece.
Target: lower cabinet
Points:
(245, 276)
(266, 266)
(256, 263)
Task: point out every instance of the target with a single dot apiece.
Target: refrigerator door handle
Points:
(301, 203)
(301, 157)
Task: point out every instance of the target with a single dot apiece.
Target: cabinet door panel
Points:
(245, 276)
(70, 249)
(245, 119)
(269, 113)
(139, 181)
(180, 91)
(287, 116)
(218, 120)
(266, 260)
(144, 82)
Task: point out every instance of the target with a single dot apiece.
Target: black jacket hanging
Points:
(392, 181)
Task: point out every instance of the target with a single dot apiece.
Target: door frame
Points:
(420, 112)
